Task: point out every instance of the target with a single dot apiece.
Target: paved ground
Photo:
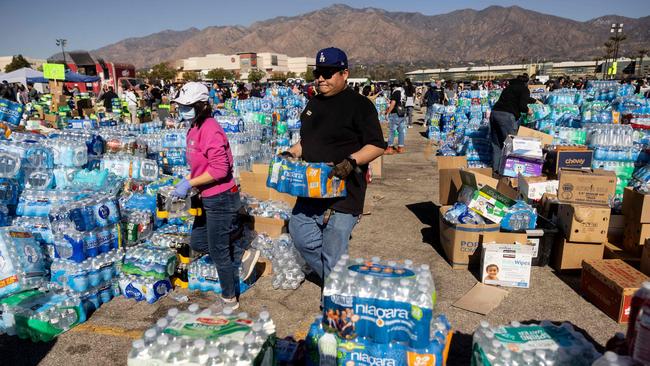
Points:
(401, 222)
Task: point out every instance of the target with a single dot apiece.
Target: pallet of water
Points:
(531, 344)
(215, 337)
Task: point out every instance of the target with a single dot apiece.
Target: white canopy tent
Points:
(21, 75)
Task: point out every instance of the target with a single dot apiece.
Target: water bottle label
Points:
(382, 321)
(532, 338)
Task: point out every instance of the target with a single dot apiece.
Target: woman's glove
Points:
(182, 189)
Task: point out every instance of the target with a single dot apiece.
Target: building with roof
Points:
(573, 69)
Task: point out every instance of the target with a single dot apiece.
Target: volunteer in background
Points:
(409, 102)
(512, 103)
(211, 171)
(396, 114)
(132, 104)
(340, 127)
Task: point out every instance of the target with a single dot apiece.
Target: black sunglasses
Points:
(325, 73)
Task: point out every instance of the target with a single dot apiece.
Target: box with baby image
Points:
(506, 264)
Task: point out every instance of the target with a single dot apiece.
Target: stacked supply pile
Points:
(379, 312)
(27, 308)
(286, 262)
(522, 156)
(145, 272)
(206, 337)
(531, 344)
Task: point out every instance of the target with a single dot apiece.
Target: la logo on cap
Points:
(322, 57)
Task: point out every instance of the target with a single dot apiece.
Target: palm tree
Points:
(642, 52)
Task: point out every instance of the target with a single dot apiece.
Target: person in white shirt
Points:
(132, 103)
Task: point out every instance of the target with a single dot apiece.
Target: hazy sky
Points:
(31, 27)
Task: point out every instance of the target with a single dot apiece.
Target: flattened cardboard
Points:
(584, 224)
(610, 284)
(589, 187)
(529, 132)
(481, 299)
(636, 206)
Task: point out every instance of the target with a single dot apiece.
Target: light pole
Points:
(62, 42)
(617, 30)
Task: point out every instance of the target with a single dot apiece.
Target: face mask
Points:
(186, 113)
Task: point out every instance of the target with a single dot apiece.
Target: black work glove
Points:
(344, 168)
(286, 155)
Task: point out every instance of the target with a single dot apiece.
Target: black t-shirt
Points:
(397, 97)
(332, 129)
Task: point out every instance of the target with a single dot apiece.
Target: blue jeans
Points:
(409, 116)
(502, 124)
(321, 245)
(396, 126)
(211, 234)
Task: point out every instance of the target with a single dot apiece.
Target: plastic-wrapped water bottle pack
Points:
(206, 337)
(544, 343)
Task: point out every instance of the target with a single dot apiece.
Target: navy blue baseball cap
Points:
(332, 57)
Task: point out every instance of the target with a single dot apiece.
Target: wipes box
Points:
(523, 147)
(506, 265)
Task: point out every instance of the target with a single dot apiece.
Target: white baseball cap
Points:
(191, 93)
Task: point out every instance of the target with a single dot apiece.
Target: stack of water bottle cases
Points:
(78, 211)
(461, 128)
(379, 313)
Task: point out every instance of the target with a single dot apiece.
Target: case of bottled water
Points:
(93, 272)
(382, 301)
(40, 315)
(22, 264)
(302, 179)
(142, 288)
(209, 336)
(531, 344)
(202, 276)
(149, 261)
(363, 351)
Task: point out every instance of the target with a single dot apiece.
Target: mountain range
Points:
(374, 36)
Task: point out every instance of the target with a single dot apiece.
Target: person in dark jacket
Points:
(431, 97)
(108, 99)
(512, 103)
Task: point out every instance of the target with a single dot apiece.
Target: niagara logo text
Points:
(381, 313)
(372, 361)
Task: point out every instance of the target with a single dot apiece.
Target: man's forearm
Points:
(367, 154)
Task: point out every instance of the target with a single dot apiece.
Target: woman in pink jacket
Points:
(211, 172)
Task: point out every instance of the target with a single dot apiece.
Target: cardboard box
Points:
(635, 235)
(565, 158)
(506, 264)
(273, 227)
(254, 183)
(533, 188)
(449, 178)
(645, 258)
(376, 166)
(513, 166)
(461, 241)
(548, 206)
(585, 224)
(523, 147)
(610, 284)
(616, 229)
(51, 118)
(545, 138)
(636, 206)
(568, 255)
(613, 251)
(590, 187)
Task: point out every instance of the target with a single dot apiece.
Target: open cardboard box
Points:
(254, 183)
(491, 197)
(449, 168)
